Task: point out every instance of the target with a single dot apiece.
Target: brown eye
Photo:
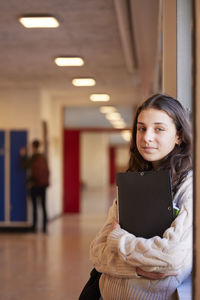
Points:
(141, 129)
(159, 129)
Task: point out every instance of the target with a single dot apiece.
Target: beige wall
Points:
(122, 158)
(94, 159)
(169, 83)
(52, 114)
(20, 110)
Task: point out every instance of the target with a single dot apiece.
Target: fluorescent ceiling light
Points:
(117, 122)
(69, 61)
(99, 97)
(113, 116)
(126, 134)
(39, 22)
(120, 125)
(107, 109)
(83, 82)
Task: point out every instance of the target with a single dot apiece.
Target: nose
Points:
(148, 136)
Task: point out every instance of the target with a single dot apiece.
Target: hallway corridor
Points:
(53, 266)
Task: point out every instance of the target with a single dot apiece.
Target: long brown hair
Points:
(179, 160)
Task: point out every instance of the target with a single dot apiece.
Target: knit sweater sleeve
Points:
(117, 252)
(106, 260)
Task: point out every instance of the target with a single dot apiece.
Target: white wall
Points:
(94, 159)
(20, 110)
(122, 158)
(52, 115)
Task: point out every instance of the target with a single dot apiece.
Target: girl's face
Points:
(156, 135)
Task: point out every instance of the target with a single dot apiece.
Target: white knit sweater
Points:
(116, 253)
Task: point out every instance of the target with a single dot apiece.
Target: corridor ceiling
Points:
(116, 38)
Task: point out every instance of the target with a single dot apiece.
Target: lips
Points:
(148, 149)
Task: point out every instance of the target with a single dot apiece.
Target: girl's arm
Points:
(104, 259)
(117, 252)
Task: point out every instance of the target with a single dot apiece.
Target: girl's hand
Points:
(151, 275)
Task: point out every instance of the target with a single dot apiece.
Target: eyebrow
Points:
(156, 123)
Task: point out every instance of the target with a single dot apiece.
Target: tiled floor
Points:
(54, 266)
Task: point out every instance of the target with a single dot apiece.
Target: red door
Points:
(71, 171)
(112, 165)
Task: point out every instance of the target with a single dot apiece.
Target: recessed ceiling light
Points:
(107, 109)
(113, 116)
(119, 125)
(99, 97)
(39, 22)
(126, 134)
(83, 82)
(69, 61)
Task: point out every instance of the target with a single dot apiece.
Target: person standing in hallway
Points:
(38, 180)
(139, 268)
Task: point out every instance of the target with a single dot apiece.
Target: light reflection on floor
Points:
(53, 266)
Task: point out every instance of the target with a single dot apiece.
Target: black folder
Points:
(145, 206)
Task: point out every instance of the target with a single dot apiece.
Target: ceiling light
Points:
(113, 116)
(83, 82)
(107, 109)
(99, 97)
(39, 22)
(114, 122)
(118, 123)
(126, 134)
(69, 61)
(119, 126)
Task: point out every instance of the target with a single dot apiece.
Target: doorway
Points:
(93, 153)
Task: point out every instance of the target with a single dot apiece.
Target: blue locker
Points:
(18, 203)
(2, 174)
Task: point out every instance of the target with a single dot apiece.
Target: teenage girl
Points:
(138, 268)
